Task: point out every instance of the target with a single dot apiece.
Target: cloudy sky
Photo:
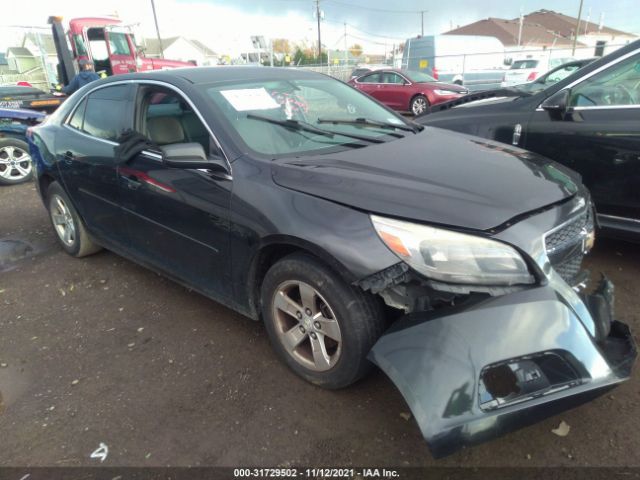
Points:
(225, 25)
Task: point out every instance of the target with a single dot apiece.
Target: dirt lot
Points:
(100, 350)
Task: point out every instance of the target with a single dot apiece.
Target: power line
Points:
(374, 9)
(371, 34)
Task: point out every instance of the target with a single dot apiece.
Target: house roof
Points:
(507, 32)
(153, 46)
(43, 39)
(19, 52)
(564, 25)
(204, 49)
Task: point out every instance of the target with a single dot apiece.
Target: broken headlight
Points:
(453, 257)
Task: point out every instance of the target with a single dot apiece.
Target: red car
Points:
(406, 90)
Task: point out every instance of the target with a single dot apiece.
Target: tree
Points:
(308, 57)
(281, 45)
(355, 50)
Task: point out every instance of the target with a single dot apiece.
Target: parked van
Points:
(476, 62)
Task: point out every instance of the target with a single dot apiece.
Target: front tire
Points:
(15, 162)
(70, 231)
(319, 325)
(419, 105)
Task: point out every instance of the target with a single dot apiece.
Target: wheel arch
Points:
(420, 94)
(273, 249)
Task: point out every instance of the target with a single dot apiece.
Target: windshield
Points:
(295, 107)
(419, 77)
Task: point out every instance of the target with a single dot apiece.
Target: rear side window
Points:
(78, 116)
(522, 64)
(359, 71)
(373, 78)
(107, 112)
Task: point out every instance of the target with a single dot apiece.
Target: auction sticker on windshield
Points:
(250, 99)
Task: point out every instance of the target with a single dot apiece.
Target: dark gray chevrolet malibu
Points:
(358, 237)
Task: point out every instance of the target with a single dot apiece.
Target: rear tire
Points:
(319, 325)
(419, 105)
(15, 162)
(70, 231)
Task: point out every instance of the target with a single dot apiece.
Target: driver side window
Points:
(618, 85)
(166, 118)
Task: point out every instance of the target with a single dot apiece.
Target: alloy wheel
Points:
(63, 220)
(306, 326)
(15, 163)
(419, 105)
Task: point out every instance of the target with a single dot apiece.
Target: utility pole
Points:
(520, 28)
(346, 52)
(319, 40)
(422, 21)
(577, 29)
(155, 19)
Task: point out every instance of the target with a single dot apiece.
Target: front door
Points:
(121, 50)
(599, 137)
(87, 163)
(393, 91)
(178, 218)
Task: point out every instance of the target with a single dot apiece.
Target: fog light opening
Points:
(501, 381)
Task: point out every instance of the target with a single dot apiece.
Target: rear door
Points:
(599, 137)
(178, 218)
(370, 84)
(85, 152)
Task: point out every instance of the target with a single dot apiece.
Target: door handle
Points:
(132, 182)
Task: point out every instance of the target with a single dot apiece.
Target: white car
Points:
(529, 69)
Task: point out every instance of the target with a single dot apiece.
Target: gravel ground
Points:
(100, 350)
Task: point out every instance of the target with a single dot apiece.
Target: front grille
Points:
(565, 245)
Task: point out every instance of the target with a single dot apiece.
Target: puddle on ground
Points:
(12, 251)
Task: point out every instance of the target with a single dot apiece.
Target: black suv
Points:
(590, 122)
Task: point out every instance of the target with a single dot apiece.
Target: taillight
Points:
(532, 76)
(434, 72)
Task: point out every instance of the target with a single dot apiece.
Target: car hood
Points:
(435, 176)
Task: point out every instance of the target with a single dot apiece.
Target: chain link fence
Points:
(476, 71)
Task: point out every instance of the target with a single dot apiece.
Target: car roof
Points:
(209, 75)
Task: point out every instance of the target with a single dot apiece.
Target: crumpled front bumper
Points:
(478, 371)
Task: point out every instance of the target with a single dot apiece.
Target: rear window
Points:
(522, 64)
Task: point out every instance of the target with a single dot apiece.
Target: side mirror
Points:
(192, 155)
(557, 103)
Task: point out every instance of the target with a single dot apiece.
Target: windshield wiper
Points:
(297, 125)
(365, 122)
(292, 124)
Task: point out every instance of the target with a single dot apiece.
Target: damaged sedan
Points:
(451, 262)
